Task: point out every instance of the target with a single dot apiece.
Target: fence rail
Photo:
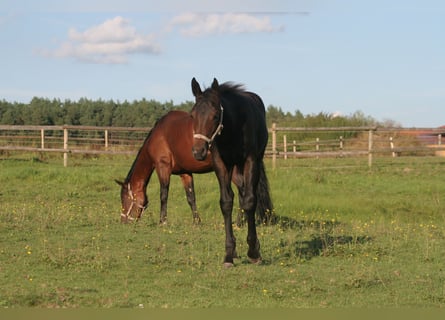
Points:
(72, 139)
(353, 142)
(284, 142)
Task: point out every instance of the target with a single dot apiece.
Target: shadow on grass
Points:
(322, 245)
(290, 223)
(322, 241)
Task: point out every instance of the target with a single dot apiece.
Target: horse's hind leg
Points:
(249, 202)
(187, 181)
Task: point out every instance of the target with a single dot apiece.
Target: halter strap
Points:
(217, 132)
(133, 203)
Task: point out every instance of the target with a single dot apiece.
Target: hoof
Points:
(256, 261)
(228, 265)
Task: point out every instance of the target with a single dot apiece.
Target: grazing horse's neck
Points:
(141, 170)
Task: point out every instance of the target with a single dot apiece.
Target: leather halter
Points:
(133, 203)
(217, 132)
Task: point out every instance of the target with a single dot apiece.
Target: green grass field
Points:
(348, 236)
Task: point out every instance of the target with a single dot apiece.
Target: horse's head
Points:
(133, 204)
(207, 115)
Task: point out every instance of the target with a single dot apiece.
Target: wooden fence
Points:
(284, 142)
(72, 139)
(354, 142)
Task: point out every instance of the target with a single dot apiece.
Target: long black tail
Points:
(264, 209)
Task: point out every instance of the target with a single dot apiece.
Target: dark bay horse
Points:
(231, 123)
(166, 150)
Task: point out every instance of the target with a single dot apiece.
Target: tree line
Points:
(145, 113)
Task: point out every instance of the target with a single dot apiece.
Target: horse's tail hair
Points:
(264, 210)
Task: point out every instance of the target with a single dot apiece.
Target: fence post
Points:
(106, 139)
(391, 145)
(341, 146)
(439, 139)
(285, 146)
(42, 138)
(317, 146)
(65, 147)
(274, 145)
(370, 148)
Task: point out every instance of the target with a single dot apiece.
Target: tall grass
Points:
(347, 236)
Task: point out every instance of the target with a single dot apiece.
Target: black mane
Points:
(231, 87)
(228, 88)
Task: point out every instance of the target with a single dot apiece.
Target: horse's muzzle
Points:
(200, 151)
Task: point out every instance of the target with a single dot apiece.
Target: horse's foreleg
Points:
(164, 198)
(164, 181)
(226, 205)
(187, 181)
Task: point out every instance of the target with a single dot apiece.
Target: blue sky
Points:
(383, 58)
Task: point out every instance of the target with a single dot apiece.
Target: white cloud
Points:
(114, 40)
(195, 24)
(110, 42)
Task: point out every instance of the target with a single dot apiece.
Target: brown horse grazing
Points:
(167, 149)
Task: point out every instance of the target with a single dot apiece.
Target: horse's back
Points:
(257, 102)
(255, 114)
(172, 143)
(165, 131)
(174, 117)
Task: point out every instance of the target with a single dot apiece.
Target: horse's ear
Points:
(196, 89)
(119, 183)
(215, 84)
